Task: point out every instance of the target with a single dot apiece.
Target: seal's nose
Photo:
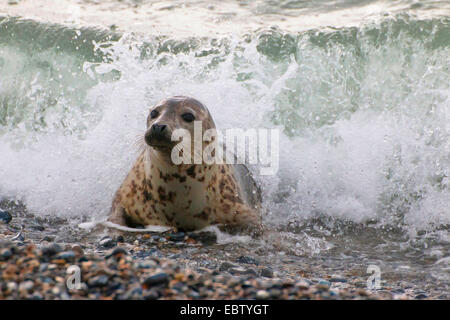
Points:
(158, 128)
(157, 133)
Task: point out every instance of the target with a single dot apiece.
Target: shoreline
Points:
(35, 259)
(131, 271)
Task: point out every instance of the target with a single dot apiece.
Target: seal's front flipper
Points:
(118, 215)
(250, 190)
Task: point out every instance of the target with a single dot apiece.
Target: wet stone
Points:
(152, 253)
(342, 280)
(37, 296)
(98, 281)
(176, 237)
(5, 217)
(194, 294)
(5, 254)
(150, 294)
(205, 237)
(149, 264)
(251, 272)
(266, 272)
(398, 291)
(116, 252)
(66, 255)
(225, 266)
(275, 293)
(120, 239)
(133, 294)
(51, 249)
(78, 250)
(43, 267)
(247, 260)
(239, 271)
(107, 242)
(323, 285)
(156, 280)
(36, 226)
(48, 238)
(360, 284)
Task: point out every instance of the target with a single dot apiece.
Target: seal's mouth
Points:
(161, 147)
(158, 139)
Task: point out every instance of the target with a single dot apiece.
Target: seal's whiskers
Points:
(140, 144)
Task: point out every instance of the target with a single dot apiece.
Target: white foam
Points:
(394, 133)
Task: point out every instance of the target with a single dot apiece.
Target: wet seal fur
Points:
(186, 196)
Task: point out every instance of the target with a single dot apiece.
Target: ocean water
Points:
(364, 113)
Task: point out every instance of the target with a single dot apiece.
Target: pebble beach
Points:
(144, 271)
(35, 265)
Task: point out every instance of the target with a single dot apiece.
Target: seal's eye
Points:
(188, 117)
(154, 114)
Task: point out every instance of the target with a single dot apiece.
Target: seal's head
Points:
(178, 112)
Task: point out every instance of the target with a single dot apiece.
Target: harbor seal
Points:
(185, 196)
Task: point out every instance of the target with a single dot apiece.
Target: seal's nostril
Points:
(158, 128)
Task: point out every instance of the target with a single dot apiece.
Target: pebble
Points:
(205, 237)
(66, 255)
(324, 282)
(262, 295)
(118, 251)
(5, 254)
(98, 281)
(5, 217)
(275, 293)
(323, 285)
(266, 272)
(12, 286)
(78, 250)
(251, 272)
(157, 279)
(176, 237)
(26, 286)
(149, 264)
(133, 294)
(51, 249)
(151, 294)
(107, 242)
(36, 226)
(247, 260)
(342, 280)
(302, 284)
(225, 266)
(43, 267)
(237, 270)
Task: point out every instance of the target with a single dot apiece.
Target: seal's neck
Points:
(161, 164)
